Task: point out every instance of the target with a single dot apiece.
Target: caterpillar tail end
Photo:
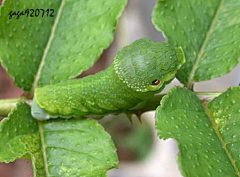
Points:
(38, 113)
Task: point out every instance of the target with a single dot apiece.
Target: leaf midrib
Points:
(36, 79)
(199, 56)
(220, 138)
(43, 148)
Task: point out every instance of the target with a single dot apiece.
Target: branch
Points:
(208, 96)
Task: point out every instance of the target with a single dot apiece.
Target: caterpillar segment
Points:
(138, 71)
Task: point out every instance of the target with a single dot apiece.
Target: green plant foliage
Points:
(23, 40)
(57, 148)
(77, 148)
(208, 31)
(208, 142)
(19, 138)
(225, 113)
(44, 50)
(16, 131)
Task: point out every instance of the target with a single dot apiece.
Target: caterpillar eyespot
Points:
(122, 86)
(156, 82)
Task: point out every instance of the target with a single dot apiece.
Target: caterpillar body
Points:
(138, 71)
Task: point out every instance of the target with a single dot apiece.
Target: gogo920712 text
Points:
(32, 13)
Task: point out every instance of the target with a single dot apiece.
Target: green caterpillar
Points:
(138, 71)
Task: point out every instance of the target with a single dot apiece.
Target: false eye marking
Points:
(156, 82)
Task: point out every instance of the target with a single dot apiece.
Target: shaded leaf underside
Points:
(209, 33)
(208, 136)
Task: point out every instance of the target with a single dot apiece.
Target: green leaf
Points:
(225, 116)
(23, 40)
(15, 132)
(19, 138)
(207, 31)
(43, 50)
(59, 147)
(76, 148)
(208, 142)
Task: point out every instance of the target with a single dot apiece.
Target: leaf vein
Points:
(199, 56)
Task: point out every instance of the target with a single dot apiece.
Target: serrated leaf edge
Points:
(106, 45)
(5, 66)
(41, 132)
(207, 112)
(2, 123)
(161, 106)
(191, 81)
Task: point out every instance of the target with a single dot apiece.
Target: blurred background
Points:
(140, 152)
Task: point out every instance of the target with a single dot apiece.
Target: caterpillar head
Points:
(148, 66)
